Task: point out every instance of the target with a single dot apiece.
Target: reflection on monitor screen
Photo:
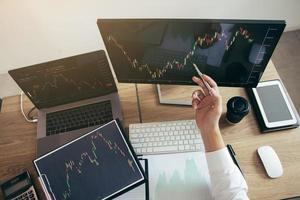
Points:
(233, 52)
(66, 80)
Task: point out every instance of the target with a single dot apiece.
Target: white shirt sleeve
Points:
(227, 182)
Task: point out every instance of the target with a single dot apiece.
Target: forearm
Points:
(212, 139)
(227, 181)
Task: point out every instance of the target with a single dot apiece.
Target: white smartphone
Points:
(274, 104)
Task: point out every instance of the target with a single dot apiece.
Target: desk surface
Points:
(18, 138)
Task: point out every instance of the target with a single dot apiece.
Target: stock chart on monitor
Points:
(66, 80)
(232, 52)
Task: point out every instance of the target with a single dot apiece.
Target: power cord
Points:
(138, 103)
(29, 113)
(27, 118)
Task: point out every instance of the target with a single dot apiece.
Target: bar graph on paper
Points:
(179, 176)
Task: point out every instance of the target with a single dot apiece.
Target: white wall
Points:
(34, 31)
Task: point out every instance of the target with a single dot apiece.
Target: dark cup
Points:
(237, 109)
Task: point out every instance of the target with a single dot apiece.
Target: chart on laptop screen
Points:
(66, 80)
(234, 53)
(94, 166)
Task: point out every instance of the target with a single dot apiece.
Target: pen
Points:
(202, 79)
(232, 154)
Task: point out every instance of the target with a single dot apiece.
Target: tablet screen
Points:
(273, 103)
(97, 165)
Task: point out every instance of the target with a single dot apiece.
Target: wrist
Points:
(214, 129)
(212, 139)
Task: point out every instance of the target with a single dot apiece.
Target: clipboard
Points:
(141, 192)
(123, 175)
(126, 196)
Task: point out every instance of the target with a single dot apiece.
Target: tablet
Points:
(98, 165)
(273, 104)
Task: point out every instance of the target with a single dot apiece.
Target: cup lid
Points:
(238, 105)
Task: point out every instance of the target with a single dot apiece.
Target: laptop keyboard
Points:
(79, 117)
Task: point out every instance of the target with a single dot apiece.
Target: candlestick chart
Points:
(67, 80)
(93, 167)
(163, 51)
(202, 41)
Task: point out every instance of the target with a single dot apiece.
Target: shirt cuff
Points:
(219, 160)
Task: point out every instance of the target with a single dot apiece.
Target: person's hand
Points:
(207, 104)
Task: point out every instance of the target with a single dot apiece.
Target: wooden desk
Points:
(18, 138)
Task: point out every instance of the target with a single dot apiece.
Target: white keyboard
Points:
(165, 137)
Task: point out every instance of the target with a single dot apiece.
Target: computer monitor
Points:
(162, 51)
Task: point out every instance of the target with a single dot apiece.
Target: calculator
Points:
(19, 188)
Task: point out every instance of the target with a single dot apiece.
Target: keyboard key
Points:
(137, 145)
(198, 147)
(181, 147)
(198, 141)
(133, 135)
(138, 150)
(165, 148)
(144, 150)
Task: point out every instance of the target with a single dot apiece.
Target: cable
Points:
(29, 112)
(22, 110)
(138, 103)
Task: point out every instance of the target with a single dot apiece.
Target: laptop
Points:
(73, 95)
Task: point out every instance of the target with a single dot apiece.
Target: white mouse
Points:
(270, 161)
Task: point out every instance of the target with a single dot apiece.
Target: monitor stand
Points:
(175, 94)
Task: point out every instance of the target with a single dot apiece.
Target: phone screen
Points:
(273, 103)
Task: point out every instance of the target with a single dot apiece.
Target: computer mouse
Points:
(270, 161)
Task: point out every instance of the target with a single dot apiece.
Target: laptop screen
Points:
(66, 80)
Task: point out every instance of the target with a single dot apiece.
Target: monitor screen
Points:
(66, 80)
(232, 52)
